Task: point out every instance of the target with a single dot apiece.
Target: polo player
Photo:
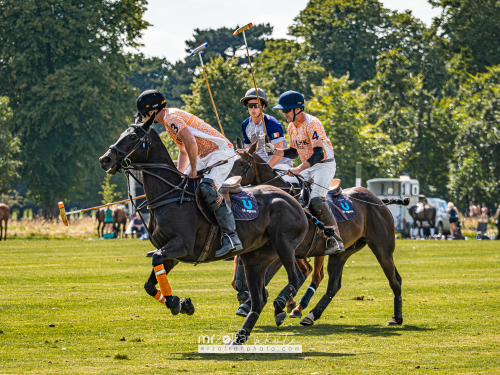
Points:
(309, 141)
(253, 131)
(200, 146)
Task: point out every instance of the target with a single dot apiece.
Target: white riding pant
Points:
(287, 178)
(322, 174)
(218, 174)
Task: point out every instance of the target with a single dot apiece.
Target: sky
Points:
(173, 22)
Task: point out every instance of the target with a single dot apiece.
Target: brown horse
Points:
(119, 221)
(373, 225)
(4, 218)
(427, 213)
(100, 222)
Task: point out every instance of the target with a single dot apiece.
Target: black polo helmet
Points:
(150, 100)
(252, 95)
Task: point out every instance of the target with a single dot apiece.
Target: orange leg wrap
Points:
(161, 276)
(160, 297)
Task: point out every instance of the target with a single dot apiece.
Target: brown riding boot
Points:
(321, 210)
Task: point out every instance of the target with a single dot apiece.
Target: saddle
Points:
(231, 186)
(335, 189)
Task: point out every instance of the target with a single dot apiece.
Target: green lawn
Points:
(92, 291)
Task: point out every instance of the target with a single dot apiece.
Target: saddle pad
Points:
(244, 206)
(344, 204)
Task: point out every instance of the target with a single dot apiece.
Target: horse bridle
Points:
(126, 162)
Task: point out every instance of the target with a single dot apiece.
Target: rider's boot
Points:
(223, 214)
(319, 208)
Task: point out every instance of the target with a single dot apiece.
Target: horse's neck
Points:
(158, 154)
(264, 173)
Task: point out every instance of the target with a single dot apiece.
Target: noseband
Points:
(125, 162)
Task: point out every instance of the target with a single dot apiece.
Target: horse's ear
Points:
(148, 122)
(239, 143)
(138, 118)
(253, 148)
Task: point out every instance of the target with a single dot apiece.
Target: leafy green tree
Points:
(470, 28)
(286, 65)
(475, 174)
(399, 107)
(344, 35)
(65, 77)
(228, 82)
(9, 148)
(108, 190)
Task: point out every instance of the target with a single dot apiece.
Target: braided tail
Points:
(326, 230)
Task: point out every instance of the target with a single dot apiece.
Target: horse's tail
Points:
(402, 202)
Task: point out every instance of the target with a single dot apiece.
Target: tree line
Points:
(400, 96)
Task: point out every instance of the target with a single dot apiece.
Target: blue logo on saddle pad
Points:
(345, 206)
(244, 206)
(342, 207)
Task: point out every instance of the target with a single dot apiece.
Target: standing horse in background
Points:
(425, 212)
(373, 225)
(4, 218)
(100, 222)
(119, 221)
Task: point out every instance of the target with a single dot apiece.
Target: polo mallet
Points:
(242, 30)
(64, 214)
(197, 50)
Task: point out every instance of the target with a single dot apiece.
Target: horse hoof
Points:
(295, 314)
(395, 322)
(243, 310)
(280, 318)
(174, 305)
(308, 320)
(186, 306)
(150, 253)
(291, 306)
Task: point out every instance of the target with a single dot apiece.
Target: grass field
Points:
(92, 292)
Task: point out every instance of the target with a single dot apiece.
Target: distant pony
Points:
(420, 213)
(100, 222)
(119, 221)
(4, 217)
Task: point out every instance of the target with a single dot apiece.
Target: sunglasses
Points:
(253, 105)
(286, 110)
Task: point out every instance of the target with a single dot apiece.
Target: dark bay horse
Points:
(373, 225)
(119, 221)
(426, 213)
(179, 229)
(4, 218)
(99, 215)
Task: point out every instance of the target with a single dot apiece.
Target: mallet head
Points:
(243, 28)
(199, 49)
(62, 210)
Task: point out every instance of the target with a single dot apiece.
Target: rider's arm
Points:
(183, 161)
(316, 157)
(190, 147)
(276, 158)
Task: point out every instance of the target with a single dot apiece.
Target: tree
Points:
(344, 35)
(286, 65)
(108, 190)
(9, 148)
(228, 82)
(65, 77)
(470, 28)
(475, 174)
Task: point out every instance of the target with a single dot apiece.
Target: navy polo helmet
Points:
(290, 99)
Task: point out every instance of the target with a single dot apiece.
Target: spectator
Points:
(136, 226)
(477, 211)
(484, 211)
(472, 209)
(108, 222)
(498, 222)
(453, 216)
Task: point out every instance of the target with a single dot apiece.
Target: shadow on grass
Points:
(193, 356)
(327, 329)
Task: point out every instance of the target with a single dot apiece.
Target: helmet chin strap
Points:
(295, 114)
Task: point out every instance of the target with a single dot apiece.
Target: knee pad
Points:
(209, 194)
(157, 258)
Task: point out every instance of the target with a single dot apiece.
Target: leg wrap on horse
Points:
(243, 333)
(308, 295)
(210, 195)
(161, 277)
(150, 288)
(398, 309)
(284, 296)
(241, 284)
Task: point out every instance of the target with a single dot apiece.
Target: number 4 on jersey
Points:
(315, 136)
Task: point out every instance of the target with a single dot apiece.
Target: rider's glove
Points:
(270, 149)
